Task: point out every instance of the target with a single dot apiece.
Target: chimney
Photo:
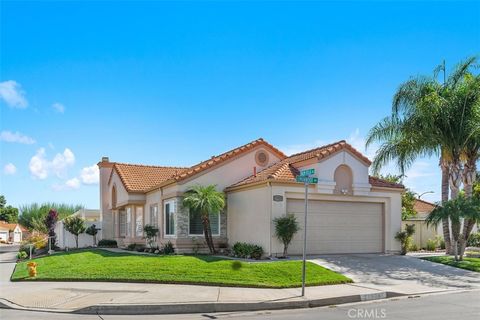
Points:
(105, 159)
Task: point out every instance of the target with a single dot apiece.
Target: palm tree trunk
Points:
(207, 232)
(469, 177)
(445, 192)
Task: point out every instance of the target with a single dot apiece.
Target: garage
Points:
(338, 227)
(4, 235)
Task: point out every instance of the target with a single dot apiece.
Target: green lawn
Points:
(102, 265)
(472, 264)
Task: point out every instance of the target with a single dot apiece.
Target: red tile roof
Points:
(142, 178)
(422, 206)
(10, 226)
(285, 171)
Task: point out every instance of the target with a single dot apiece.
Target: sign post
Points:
(305, 177)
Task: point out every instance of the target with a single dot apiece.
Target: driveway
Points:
(402, 274)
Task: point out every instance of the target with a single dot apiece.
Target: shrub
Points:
(150, 233)
(431, 245)
(168, 248)
(405, 237)
(26, 248)
(474, 240)
(107, 243)
(22, 255)
(285, 229)
(131, 246)
(92, 231)
(412, 247)
(247, 250)
(38, 240)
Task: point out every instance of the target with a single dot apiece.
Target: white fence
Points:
(66, 239)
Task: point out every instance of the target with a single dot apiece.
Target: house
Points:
(349, 211)
(67, 240)
(11, 232)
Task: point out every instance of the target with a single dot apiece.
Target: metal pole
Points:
(305, 240)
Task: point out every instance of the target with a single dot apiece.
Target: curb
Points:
(207, 307)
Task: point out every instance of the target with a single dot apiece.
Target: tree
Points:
(455, 210)
(405, 237)
(92, 231)
(35, 211)
(75, 225)
(50, 223)
(408, 197)
(7, 213)
(429, 118)
(205, 200)
(150, 233)
(285, 229)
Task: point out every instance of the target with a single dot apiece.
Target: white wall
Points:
(66, 239)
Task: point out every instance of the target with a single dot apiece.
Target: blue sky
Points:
(173, 83)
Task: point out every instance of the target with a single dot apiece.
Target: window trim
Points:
(171, 202)
(203, 234)
(142, 223)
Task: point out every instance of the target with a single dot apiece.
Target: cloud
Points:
(71, 184)
(9, 169)
(40, 167)
(296, 148)
(12, 94)
(90, 175)
(16, 137)
(60, 108)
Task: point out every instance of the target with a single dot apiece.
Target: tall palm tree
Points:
(205, 200)
(428, 119)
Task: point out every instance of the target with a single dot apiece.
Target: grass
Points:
(102, 265)
(472, 264)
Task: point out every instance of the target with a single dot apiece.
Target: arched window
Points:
(114, 197)
(343, 180)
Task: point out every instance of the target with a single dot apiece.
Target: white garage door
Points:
(338, 227)
(3, 235)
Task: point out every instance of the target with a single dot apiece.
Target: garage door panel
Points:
(338, 227)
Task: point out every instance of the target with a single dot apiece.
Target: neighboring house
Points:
(11, 232)
(349, 211)
(422, 232)
(67, 240)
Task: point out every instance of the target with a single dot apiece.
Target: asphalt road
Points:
(460, 305)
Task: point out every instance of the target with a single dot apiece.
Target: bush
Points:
(474, 240)
(405, 237)
(412, 247)
(431, 245)
(26, 248)
(285, 229)
(22, 255)
(38, 240)
(168, 248)
(247, 250)
(107, 243)
(131, 246)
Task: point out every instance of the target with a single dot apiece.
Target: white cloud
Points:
(11, 92)
(296, 148)
(73, 183)
(16, 137)
(9, 169)
(90, 175)
(40, 167)
(60, 108)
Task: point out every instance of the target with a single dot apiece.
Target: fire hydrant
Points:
(32, 269)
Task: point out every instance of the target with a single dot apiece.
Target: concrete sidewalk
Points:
(148, 298)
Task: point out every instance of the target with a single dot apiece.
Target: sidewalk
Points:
(148, 298)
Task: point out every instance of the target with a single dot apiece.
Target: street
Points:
(434, 307)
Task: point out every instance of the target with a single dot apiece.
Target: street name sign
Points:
(308, 172)
(307, 179)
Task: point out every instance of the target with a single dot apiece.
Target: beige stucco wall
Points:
(249, 217)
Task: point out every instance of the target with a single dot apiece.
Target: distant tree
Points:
(31, 212)
(75, 225)
(408, 197)
(50, 223)
(7, 213)
(92, 231)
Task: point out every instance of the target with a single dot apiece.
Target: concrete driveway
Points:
(402, 274)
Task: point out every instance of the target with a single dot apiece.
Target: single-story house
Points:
(349, 211)
(67, 240)
(11, 232)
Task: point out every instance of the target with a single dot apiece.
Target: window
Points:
(114, 197)
(139, 221)
(129, 222)
(195, 224)
(169, 218)
(154, 215)
(122, 222)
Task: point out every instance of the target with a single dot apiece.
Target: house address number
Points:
(278, 198)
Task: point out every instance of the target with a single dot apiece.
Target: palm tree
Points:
(455, 210)
(205, 200)
(429, 118)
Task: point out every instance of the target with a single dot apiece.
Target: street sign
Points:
(308, 172)
(307, 179)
